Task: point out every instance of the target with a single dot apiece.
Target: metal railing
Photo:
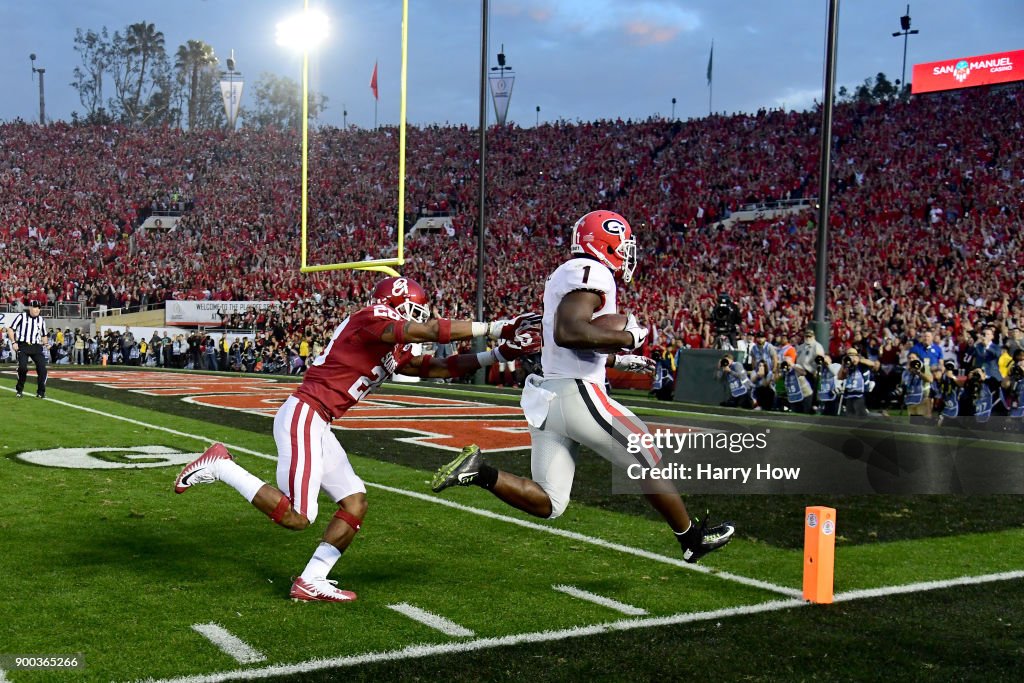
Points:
(776, 204)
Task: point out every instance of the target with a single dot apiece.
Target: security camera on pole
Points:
(501, 86)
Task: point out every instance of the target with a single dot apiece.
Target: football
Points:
(610, 321)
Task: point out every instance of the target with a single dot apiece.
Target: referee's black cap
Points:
(34, 303)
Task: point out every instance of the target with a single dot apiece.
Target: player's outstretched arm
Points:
(573, 328)
(443, 330)
(461, 364)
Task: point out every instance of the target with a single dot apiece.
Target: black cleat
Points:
(461, 471)
(711, 538)
(17, 395)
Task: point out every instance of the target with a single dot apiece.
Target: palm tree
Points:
(192, 58)
(143, 41)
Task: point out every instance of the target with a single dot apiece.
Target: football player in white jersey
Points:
(568, 406)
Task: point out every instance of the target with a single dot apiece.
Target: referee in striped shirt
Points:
(28, 334)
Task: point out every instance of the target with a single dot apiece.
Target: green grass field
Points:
(101, 558)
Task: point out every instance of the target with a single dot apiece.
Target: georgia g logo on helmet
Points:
(607, 237)
(614, 226)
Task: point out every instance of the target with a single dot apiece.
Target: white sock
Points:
(322, 562)
(235, 476)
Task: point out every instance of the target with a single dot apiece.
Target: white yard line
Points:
(622, 607)
(434, 621)
(417, 651)
(230, 644)
(582, 538)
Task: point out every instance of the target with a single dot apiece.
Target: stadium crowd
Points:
(924, 234)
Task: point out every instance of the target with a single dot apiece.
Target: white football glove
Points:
(507, 329)
(638, 331)
(628, 362)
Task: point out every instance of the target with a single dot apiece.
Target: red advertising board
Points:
(967, 72)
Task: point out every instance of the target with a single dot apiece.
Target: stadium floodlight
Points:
(303, 31)
(905, 32)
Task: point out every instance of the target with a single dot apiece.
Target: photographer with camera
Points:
(916, 386)
(856, 375)
(807, 352)
(828, 388)
(664, 381)
(725, 318)
(977, 399)
(763, 380)
(739, 384)
(949, 386)
(798, 389)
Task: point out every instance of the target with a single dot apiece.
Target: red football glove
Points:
(508, 329)
(524, 343)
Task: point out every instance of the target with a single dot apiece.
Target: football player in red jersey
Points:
(366, 349)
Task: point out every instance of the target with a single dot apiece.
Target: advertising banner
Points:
(968, 72)
(207, 313)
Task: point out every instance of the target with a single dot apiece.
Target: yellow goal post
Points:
(375, 265)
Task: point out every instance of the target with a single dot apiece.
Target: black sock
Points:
(690, 538)
(487, 476)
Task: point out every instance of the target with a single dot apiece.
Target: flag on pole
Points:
(373, 81)
(711, 57)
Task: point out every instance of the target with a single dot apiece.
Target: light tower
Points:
(42, 96)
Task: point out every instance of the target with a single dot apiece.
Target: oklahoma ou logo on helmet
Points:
(614, 226)
(400, 287)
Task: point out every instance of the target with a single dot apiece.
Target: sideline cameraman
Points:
(949, 393)
(828, 391)
(807, 353)
(763, 380)
(798, 389)
(916, 386)
(739, 384)
(976, 398)
(856, 373)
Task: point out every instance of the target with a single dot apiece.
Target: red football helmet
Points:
(606, 236)
(405, 295)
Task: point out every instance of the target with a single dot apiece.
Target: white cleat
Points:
(324, 590)
(202, 470)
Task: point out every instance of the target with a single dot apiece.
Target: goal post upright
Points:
(374, 265)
